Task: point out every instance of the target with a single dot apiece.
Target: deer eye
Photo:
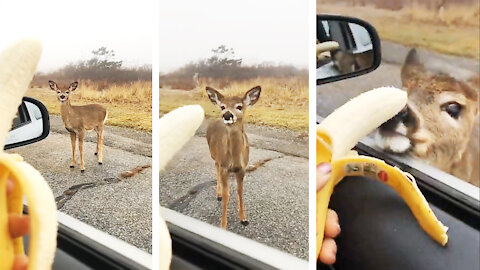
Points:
(58, 92)
(453, 109)
(222, 107)
(66, 92)
(239, 107)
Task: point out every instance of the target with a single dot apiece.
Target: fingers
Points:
(332, 227)
(328, 253)
(20, 262)
(18, 225)
(323, 174)
(9, 186)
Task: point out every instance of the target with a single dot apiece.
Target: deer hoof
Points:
(244, 222)
(82, 171)
(219, 198)
(71, 166)
(96, 153)
(100, 163)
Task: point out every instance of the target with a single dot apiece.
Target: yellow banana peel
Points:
(340, 132)
(17, 66)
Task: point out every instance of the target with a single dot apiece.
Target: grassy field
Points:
(129, 105)
(283, 102)
(454, 30)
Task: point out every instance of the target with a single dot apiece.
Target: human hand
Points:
(18, 225)
(332, 227)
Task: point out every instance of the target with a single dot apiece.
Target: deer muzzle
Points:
(228, 118)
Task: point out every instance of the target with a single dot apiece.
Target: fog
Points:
(258, 31)
(69, 30)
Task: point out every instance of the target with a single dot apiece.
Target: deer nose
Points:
(62, 96)
(227, 116)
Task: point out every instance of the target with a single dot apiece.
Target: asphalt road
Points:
(275, 195)
(100, 197)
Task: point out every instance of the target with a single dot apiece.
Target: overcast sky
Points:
(70, 30)
(258, 31)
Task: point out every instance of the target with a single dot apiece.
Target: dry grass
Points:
(455, 30)
(283, 102)
(129, 105)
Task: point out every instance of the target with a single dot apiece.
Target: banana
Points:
(17, 66)
(341, 131)
(176, 128)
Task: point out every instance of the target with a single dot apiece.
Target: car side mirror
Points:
(31, 124)
(346, 47)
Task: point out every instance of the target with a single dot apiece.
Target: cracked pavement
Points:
(100, 197)
(275, 194)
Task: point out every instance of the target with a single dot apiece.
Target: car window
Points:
(249, 85)
(102, 73)
(440, 125)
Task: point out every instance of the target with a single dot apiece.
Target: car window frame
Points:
(225, 247)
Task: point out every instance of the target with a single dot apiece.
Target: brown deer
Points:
(80, 119)
(228, 145)
(440, 122)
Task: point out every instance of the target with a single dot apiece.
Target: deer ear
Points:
(73, 86)
(214, 96)
(412, 68)
(251, 97)
(53, 85)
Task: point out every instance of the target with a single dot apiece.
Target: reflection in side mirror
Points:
(346, 47)
(31, 124)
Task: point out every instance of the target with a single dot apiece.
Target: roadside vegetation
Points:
(447, 26)
(125, 92)
(283, 101)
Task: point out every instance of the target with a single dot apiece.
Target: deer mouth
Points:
(228, 122)
(392, 137)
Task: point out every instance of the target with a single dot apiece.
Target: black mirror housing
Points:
(31, 124)
(346, 47)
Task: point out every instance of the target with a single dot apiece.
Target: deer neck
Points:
(66, 111)
(237, 126)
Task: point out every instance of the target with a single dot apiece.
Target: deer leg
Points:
(241, 214)
(225, 196)
(100, 146)
(219, 183)
(98, 141)
(73, 139)
(81, 136)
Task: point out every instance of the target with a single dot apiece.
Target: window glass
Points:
(430, 50)
(239, 51)
(109, 58)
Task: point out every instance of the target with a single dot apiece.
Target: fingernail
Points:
(338, 228)
(325, 168)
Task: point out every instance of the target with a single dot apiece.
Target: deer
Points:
(228, 145)
(80, 119)
(440, 123)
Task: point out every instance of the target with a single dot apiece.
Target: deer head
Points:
(437, 123)
(233, 108)
(63, 92)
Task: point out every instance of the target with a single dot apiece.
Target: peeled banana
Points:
(340, 132)
(17, 66)
(176, 128)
